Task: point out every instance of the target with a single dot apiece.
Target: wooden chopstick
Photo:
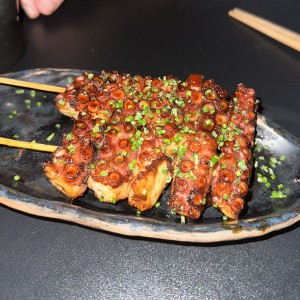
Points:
(27, 145)
(32, 85)
(281, 34)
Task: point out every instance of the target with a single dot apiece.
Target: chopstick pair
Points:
(281, 34)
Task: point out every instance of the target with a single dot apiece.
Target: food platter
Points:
(31, 115)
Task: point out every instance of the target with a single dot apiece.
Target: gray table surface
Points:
(46, 259)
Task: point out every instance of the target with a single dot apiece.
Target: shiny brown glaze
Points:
(131, 133)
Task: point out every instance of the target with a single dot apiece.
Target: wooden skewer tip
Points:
(27, 145)
(32, 85)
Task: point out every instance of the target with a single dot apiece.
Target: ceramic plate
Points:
(31, 115)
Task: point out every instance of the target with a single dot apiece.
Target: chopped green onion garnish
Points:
(17, 177)
(32, 93)
(71, 149)
(225, 197)
(278, 194)
(182, 150)
(182, 219)
(61, 102)
(242, 165)
(50, 137)
(214, 160)
(69, 136)
(104, 173)
(132, 164)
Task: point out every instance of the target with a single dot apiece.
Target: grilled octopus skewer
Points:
(133, 135)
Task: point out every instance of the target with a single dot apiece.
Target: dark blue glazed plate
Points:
(273, 202)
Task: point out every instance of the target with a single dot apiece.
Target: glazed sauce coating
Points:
(127, 129)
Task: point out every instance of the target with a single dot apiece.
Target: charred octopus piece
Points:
(132, 136)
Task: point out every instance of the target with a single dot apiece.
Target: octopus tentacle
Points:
(192, 175)
(148, 185)
(113, 164)
(231, 177)
(68, 168)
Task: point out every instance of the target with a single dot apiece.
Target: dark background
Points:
(45, 259)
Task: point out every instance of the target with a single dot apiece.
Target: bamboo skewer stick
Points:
(281, 34)
(32, 85)
(27, 145)
(35, 86)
